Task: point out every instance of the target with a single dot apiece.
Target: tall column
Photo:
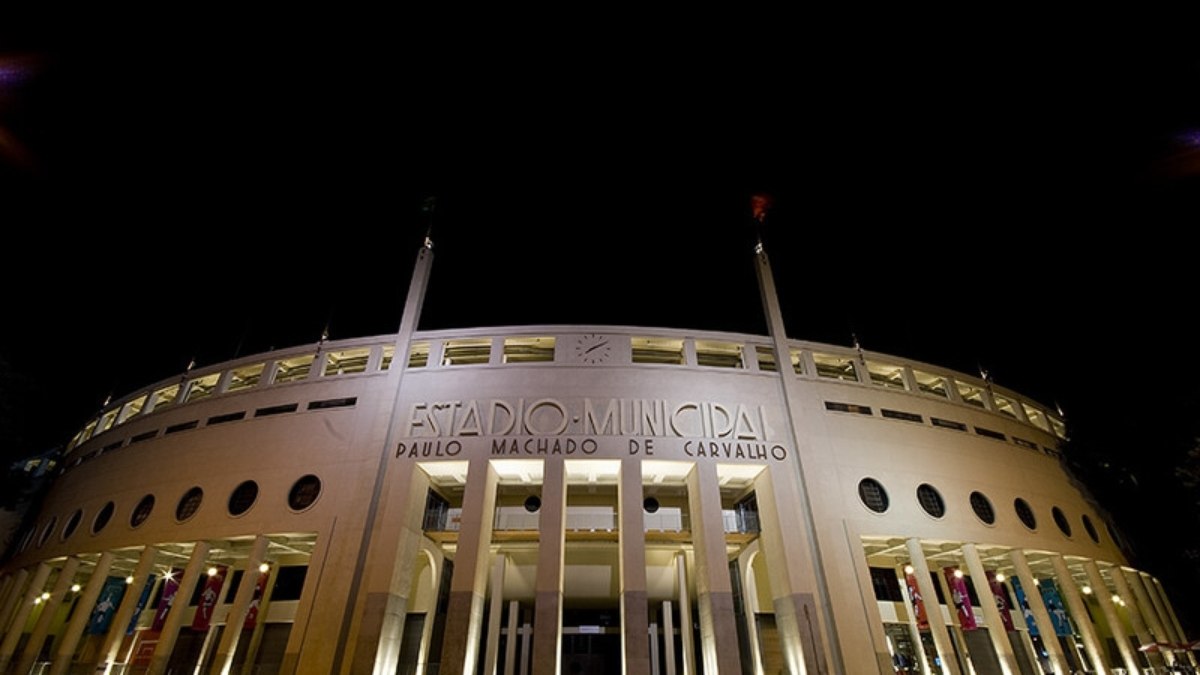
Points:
(685, 616)
(635, 603)
(1040, 616)
(937, 625)
(249, 665)
(124, 614)
(9, 646)
(510, 644)
(991, 615)
(548, 588)
(1173, 620)
(668, 637)
(958, 637)
(1135, 614)
(464, 610)
(1149, 611)
(170, 631)
(15, 593)
(494, 614)
(33, 648)
(7, 590)
(1070, 592)
(1166, 627)
(236, 618)
(83, 613)
(1104, 599)
(914, 632)
(714, 594)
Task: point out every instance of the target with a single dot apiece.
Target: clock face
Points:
(593, 348)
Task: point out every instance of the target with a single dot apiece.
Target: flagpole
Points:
(815, 662)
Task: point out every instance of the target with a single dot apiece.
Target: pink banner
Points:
(960, 598)
(918, 602)
(252, 614)
(1001, 601)
(209, 598)
(170, 587)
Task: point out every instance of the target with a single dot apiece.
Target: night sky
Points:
(212, 186)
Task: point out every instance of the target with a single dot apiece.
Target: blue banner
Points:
(1024, 605)
(106, 606)
(1054, 605)
(141, 605)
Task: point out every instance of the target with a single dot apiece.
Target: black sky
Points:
(1006, 194)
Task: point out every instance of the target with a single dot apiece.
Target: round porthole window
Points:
(982, 507)
(1025, 513)
(931, 500)
(1060, 519)
(72, 524)
(46, 531)
(533, 503)
(189, 504)
(1091, 529)
(872, 494)
(304, 493)
(142, 511)
(104, 515)
(650, 505)
(243, 497)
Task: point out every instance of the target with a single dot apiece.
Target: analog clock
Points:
(593, 348)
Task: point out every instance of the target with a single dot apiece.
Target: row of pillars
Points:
(24, 591)
(464, 632)
(1151, 617)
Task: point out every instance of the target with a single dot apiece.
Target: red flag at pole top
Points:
(759, 205)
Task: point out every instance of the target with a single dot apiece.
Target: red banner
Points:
(260, 587)
(209, 598)
(1001, 601)
(170, 588)
(960, 597)
(914, 593)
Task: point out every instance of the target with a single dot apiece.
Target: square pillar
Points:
(464, 610)
(66, 578)
(65, 650)
(16, 591)
(192, 573)
(1041, 617)
(635, 607)
(937, 625)
(1136, 620)
(494, 614)
(1066, 584)
(548, 587)
(9, 646)
(991, 614)
(1100, 590)
(236, 617)
(714, 594)
(124, 614)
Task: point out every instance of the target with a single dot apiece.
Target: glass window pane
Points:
(766, 358)
(718, 354)
(347, 362)
(1060, 429)
(293, 369)
(1004, 406)
(164, 397)
(886, 374)
(107, 420)
(657, 350)
(88, 431)
(1036, 417)
(418, 354)
(132, 408)
(388, 352)
(835, 367)
(245, 377)
(202, 387)
(528, 349)
(467, 351)
(931, 384)
(971, 394)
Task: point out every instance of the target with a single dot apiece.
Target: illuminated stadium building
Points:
(574, 499)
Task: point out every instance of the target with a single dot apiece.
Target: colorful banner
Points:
(1023, 602)
(260, 587)
(141, 605)
(914, 592)
(106, 606)
(1001, 601)
(960, 597)
(170, 589)
(209, 598)
(1054, 606)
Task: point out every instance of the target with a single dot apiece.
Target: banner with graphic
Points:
(209, 598)
(1023, 602)
(170, 590)
(914, 592)
(260, 588)
(1054, 606)
(141, 604)
(960, 597)
(110, 598)
(1001, 600)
